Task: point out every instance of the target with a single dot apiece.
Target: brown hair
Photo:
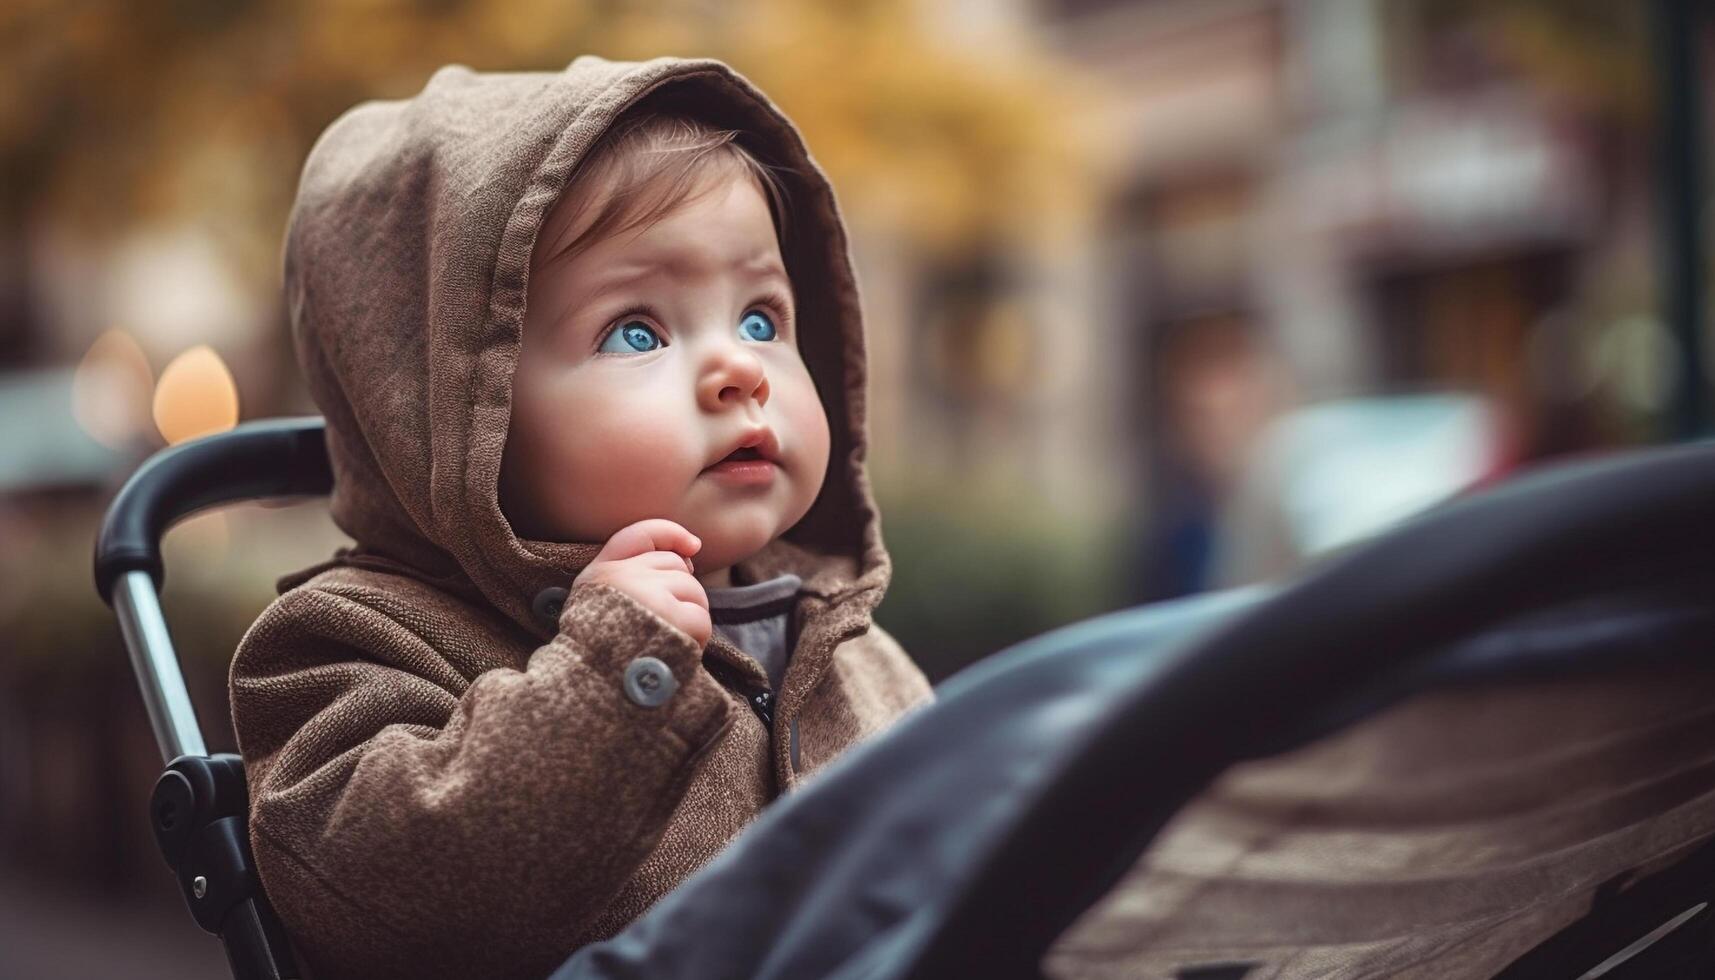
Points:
(651, 163)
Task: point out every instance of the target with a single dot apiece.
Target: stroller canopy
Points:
(1479, 745)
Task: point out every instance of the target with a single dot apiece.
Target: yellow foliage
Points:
(165, 112)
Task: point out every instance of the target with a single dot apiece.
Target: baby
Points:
(590, 353)
(713, 423)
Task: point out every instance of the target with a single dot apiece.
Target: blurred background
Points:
(1163, 296)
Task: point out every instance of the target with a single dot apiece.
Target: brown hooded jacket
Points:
(448, 776)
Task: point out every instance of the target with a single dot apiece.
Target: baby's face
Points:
(647, 358)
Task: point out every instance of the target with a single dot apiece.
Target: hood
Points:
(406, 260)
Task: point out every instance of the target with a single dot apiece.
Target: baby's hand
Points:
(651, 562)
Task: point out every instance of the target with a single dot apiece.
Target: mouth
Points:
(756, 446)
(752, 464)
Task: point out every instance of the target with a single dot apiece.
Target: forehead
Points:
(723, 227)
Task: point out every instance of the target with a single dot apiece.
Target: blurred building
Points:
(1328, 198)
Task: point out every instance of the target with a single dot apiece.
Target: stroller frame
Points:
(200, 805)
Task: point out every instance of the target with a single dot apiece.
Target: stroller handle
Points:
(199, 805)
(272, 458)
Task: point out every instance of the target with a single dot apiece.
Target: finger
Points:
(675, 603)
(665, 561)
(687, 589)
(652, 534)
(694, 621)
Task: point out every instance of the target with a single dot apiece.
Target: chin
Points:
(716, 554)
(725, 547)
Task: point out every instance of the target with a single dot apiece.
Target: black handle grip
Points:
(270, 458)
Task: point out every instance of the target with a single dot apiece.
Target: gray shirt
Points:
(757, 618)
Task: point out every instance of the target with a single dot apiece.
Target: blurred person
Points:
(591, 356)
(1216, 386)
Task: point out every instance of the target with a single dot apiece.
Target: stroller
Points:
(974, 835)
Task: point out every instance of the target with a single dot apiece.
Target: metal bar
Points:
(157, 667)
(256, 945)
(1679, 170)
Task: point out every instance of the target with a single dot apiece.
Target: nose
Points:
(732, 375)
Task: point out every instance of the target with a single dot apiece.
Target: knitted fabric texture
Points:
(447, 776)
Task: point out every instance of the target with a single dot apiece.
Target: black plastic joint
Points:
(198, 812)
(218, 872)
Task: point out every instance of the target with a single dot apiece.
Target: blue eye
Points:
(756, 326)
(631, 337)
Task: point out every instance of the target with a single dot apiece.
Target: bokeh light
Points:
(196, 396)
(110, 390)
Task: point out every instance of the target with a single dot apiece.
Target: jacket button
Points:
(649, 682)
(548, 603)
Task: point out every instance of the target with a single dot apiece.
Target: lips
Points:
(755, 444)
(748, 465)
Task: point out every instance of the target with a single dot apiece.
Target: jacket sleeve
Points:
(407, 821)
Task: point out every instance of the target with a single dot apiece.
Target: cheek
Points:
(620, 454)
(607, 455)
(808, 421)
